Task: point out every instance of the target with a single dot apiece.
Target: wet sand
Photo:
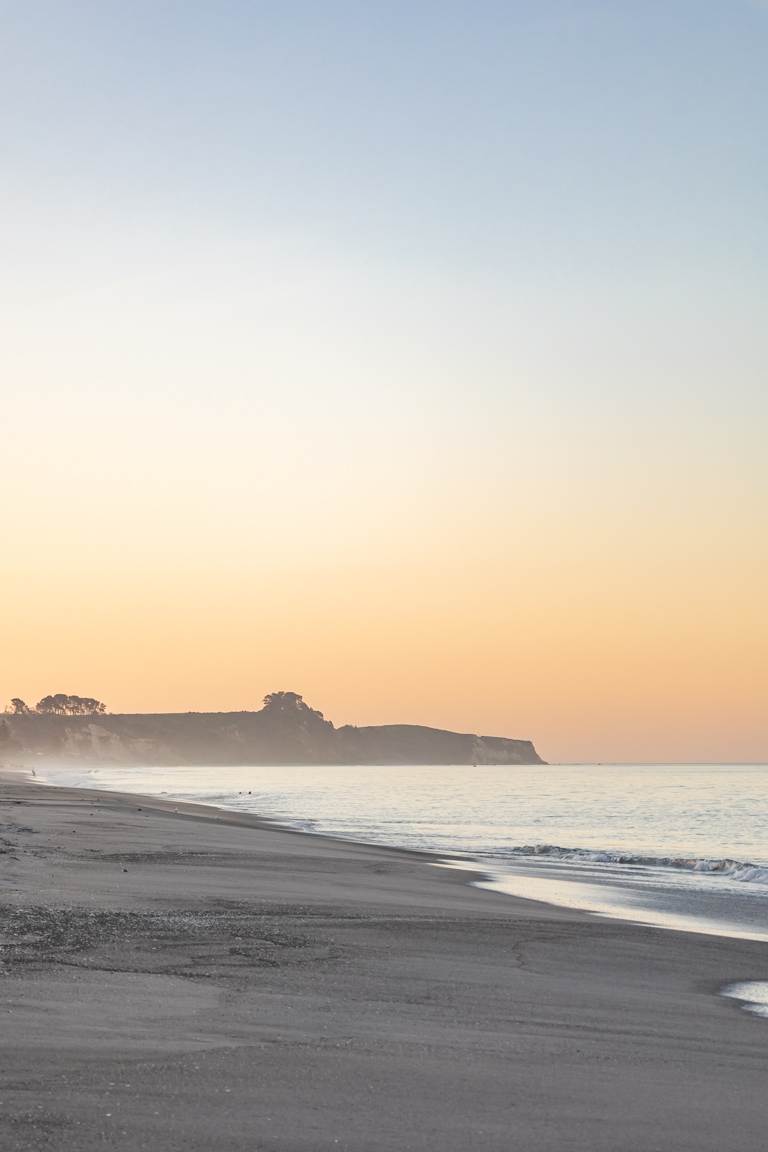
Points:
(182, 978)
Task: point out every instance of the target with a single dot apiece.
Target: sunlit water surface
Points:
(675, 846)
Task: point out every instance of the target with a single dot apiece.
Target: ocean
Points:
(677, 846)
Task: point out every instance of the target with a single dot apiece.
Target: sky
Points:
(408, 356)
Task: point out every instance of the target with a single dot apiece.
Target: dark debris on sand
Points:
(193, 943)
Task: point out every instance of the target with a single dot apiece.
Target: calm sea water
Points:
(676, 846)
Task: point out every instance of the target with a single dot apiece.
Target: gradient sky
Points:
(408, 356)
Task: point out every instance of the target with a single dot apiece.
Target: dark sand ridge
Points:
(182, 978)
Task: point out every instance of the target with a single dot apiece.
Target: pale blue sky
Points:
(480, 134)
(536, 168)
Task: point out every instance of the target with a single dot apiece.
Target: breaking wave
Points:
(741, 870)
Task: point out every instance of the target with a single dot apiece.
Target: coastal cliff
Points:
(285, 731)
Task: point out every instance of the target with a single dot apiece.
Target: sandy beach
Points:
(177, 977)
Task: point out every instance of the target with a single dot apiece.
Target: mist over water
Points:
(682, 846)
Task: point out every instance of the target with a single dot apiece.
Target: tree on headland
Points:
(289, 703)
(289, 709)
(63, 705)
(17, 707)
(285, 702)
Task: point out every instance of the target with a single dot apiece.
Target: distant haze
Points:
(408, 356)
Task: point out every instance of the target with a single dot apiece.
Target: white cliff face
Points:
(96, 741)
(92, 741)
(499, 750)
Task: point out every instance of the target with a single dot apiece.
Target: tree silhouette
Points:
(18, 708)
(290, 704)
(285, 702)
(287, 712)
(63, 705)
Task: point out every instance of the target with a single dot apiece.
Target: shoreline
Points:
(198, 978)
(528, 877)
(473, 869)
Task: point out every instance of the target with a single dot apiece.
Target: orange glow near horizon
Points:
(594, 657)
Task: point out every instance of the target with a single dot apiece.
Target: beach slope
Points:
(181, 978)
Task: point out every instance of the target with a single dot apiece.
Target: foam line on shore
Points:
(742, 870)
(751, 994)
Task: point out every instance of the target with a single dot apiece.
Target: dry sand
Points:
(182, 978)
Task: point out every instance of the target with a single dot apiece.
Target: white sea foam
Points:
(741, 870)
(753, 996)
